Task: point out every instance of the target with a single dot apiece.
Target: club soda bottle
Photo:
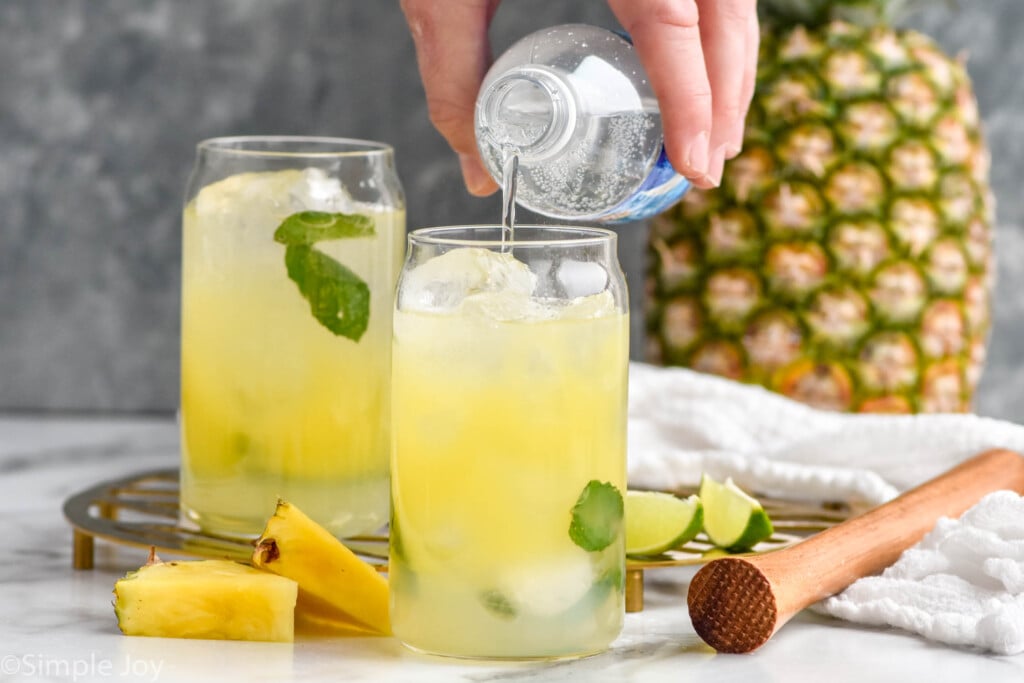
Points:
(574, 104)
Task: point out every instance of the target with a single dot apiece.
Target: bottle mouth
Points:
(528, 111)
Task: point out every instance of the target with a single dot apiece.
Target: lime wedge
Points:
(732, 519)
(656, 522)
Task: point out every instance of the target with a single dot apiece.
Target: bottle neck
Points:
(530, 111)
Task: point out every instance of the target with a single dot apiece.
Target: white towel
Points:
(963, 584)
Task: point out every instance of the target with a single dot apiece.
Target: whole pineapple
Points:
(846, 259)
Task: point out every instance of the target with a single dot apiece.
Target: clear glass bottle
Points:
(575, 105)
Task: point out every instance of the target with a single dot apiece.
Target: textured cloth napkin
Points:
(963, 584)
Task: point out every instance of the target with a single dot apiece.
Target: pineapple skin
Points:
(846, 259)
(338, 592)
(214, 599)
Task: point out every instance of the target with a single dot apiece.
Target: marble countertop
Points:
(57, 623)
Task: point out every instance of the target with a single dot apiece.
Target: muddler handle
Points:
(737, 603)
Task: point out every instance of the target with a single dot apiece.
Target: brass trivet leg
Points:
(107, 511)
(81, 551)
(83, 545)
(634, 590)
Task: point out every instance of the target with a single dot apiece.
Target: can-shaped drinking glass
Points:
(509, 442)
(291, 250)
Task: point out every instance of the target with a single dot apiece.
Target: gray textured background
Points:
(101, 102)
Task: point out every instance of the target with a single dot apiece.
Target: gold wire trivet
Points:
(142, 510)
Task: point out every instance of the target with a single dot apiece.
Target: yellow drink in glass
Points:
(508, 453)
(272, 402)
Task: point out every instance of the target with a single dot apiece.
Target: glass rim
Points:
(576, 236)
(247, 146)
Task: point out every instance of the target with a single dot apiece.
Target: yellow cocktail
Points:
(273, 401)
(509, 400)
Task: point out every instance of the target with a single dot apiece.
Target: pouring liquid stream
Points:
(510, 173)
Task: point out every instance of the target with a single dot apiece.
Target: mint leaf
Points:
(338, 298)
(597, 516)
(396, 548)
(308, 227)
(498, 604)
(612, 579)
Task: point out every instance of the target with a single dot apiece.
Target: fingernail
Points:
(715, 166)
(736, 139)
(477, 180)
(697, 154)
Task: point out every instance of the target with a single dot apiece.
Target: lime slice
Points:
(732, 519)
(713, 553)
(656, 522)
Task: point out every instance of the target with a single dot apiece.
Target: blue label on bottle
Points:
(662, 188)
(622, 34)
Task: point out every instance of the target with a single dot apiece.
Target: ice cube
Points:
(246, 193)
(507, 306)
(445, 281)
(593, 306)
(318, 191)
(581, 278)
(277, 194)
(550, 586)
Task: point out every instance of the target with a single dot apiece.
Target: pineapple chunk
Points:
(327, 623)
(336, 588)
(205, 599)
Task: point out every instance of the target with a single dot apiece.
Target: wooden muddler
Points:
(737, 603)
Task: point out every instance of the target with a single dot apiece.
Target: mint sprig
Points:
(338, 298)
(596, 516)
(309, 227)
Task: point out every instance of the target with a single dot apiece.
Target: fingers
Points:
(723, 30)
(701, 57)
(667, 37)
(750, 69)
(453, 53)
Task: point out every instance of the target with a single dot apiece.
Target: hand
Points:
(453, 53)
(700, 55)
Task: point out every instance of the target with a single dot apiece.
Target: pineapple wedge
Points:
(205, 599)
(336, 589)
